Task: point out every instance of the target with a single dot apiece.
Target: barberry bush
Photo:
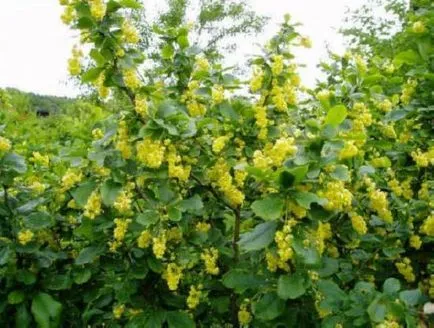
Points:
(210, 201)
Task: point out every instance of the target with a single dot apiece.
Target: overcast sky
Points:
(35, 45)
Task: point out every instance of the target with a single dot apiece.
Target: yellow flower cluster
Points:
(93, 206)
(360, 64)
(97, 9)
(323, 95)
(427, 227)
(144, 240)
(244, 316)
(415, 241)
(217, 94)
(358, 223)
(274, 155)
(305, 42)
(424, 192)
(386, 105)
(210, 257)
(338, 198)
(176, 170)
(395, 186)
(202, 64)
(283, 239)
(37, 187)
(349, 150)
(97, 133)
(380, 204)
(220, 174)
(129, 33)
(261, 121)
(418, 27)
(118, 311)
(159, 245)
(123, 144)
(257, 79)
(141, 105)
(361, 115)
(423, 159)
(25, 237)
(323, 233)
(121, 228)
(203, 227)
(74, 63)
(298, 211)
(277, 65)
(123, 202)
(278, 98)
(389, 324)
(240, 177)
(131, 79)
(173, 275)
(103, 91)
(194, 295)
(406, 270)
(195, 108)
(151, 152)
(5, 144)
(407, 190)
(381, 162)
(68, 15)
(408, 91)
(219, 143)
(70, 179)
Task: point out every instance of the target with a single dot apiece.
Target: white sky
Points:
(35, 45)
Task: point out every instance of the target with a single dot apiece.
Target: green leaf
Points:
(309, 256)
(148, 218)
(133, 4)
(269, 208)
(260, 237)
(82, 192)
(377, 310)
(92, 74)
(87, 255)
(305, 199)
(22, 317)
(167, 51)
(16, 297)
(336, 115)
(174, 213)
(192, 204)
(110, 191)
(291, 287)
(409, 57)
(14, 162)
(410, 297)
(391, 286)
(268, 307)
(82, 276)
(240, 281)
(179, 320)
(340, 172)
(299, 172)
(46, 311)
(333, 295)
(183, 42)
(38, 220)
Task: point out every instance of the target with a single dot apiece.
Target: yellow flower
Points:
(70, 179)
(98, 9)
(424, 191)
(358, 223)
(144, 241)
(350, 150)
(244, 316)
(5, 144)
(210, 256)
(202, 64)
(418, 27)
(280, 151)
(195, 108)
(220, 143)
(151, 152)
(277, 66)
(175, 169)
(118, 311)
(74, 63)
(193, 298)
(203, 227)
(141, 105)
(68, 15)
(103, 91)
(42, 160)
(406, 270)
(121, 229)
(93, 206)
(427, 227)
(159, 246)
(322, 234)
(129, 33)
(97, 134)
(217, 94)
(131, 79)
(123, 202)
(421, 159)
(338, 198)
(257, 80)
(380, 204)
(24, 237)
(323, 95)
(173, 275)
(37, 187)
(415, 241)
(306, 42)
(386, 105)
(381, 162)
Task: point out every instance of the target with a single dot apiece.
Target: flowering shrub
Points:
(195, 206)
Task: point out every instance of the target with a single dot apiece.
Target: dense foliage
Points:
(206, 201)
